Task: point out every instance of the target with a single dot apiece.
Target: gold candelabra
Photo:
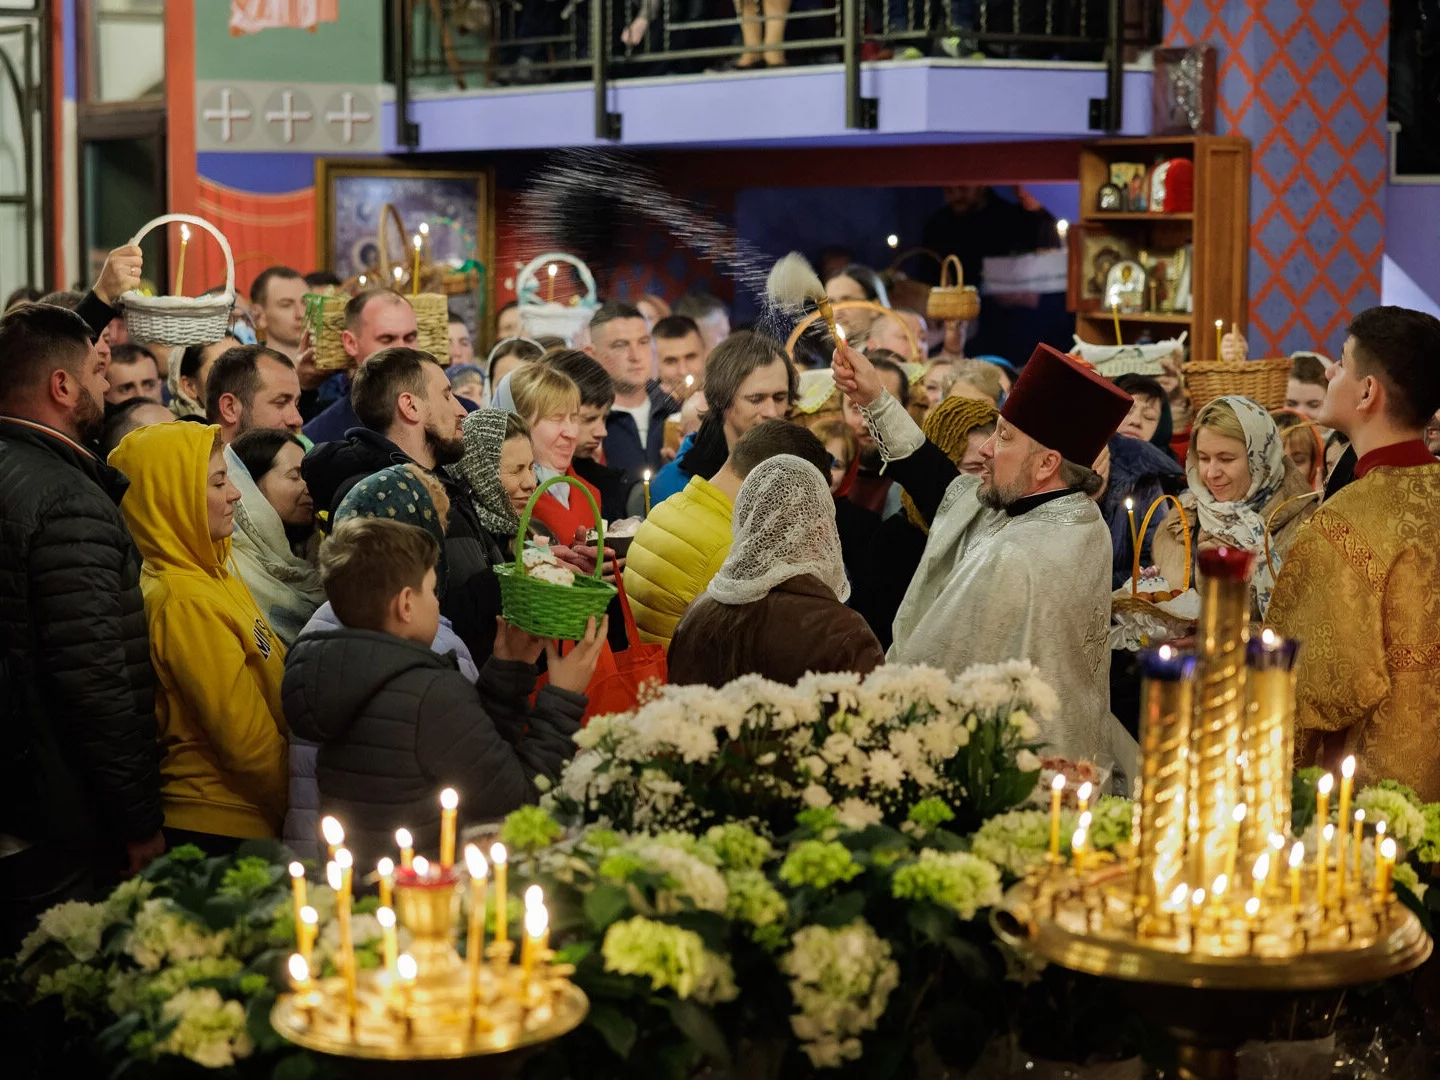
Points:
(428, 1003)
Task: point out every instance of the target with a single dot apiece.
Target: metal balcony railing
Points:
(470, 43)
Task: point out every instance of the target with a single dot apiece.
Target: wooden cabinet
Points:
(1214, 232)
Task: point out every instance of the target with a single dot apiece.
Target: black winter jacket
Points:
(471, 597)
(396, 723)
(79, 759)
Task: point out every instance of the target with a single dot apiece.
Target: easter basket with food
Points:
(1147, 610)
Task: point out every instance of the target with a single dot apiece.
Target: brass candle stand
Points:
(1197, 913)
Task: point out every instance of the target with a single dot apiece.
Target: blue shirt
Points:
(670, 478)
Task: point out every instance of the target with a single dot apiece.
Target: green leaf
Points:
(841, 911)
(575, 952)
(970, 958)
(698, 1024)
(713, 929)
(944, 840)
(617, 1029)
(224, 910)
(874, 836)
(298, 1066)
(1413, 902)
(604, 905)
(113, 1038)
(929, 921)
(257, 1023)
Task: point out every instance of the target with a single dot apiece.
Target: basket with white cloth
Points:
(1112, 361)
(548, 317)
(181, 320)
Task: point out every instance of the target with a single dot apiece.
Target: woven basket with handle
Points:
(953, 302)
(181, 320)
(1262, 381)
(543, 608)
(540, 316)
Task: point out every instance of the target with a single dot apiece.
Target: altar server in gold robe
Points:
(1360, 588)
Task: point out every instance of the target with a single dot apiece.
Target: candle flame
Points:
(475, 862)
(424, 228)
(689, 380)
(1058, 784)
(1166, 652)
(1252, 906)
(421, 866)
(309, 916)
(647, 476)
(1129, 503)
(184, 234)
(1062, 227)
(1269, 638)
(299, 969)
(1222, 883)
(1347, 767)
(385, 917)
(537, 919)
(406, 967)
(1387, 849)
(1327, 782)
(1177, 897)
(1277, 841)
(403, 839)
(417, 241)
(1085, 819)
(498, 854)
(1219, 324)
(1328, 833)
(534, 897)
(449, 799)
(362, 280)
(1297, 855)
(1085, 790)
(333, 876)
(1197, 897)
(297, 870)
(1360, 816)
(892, 240)
(399, 272)
(1078, 840)
(1262, 867)
(552, 269)
(1380, 828)
(344, 859)
(332, 830)
(1238, 814)
(385, 867)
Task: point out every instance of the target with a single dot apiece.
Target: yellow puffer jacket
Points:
(674, 555)
(218, 665)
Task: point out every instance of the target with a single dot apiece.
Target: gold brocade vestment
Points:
(1360, 589)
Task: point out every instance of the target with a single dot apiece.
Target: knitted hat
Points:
(948, 426)
(399, 494)
(1065, 406)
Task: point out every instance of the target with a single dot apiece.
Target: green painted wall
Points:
(350, 50)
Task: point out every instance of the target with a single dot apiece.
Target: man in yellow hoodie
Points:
(684, 541)
(218, 665)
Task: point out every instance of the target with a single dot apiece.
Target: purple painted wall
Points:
(1412, 244)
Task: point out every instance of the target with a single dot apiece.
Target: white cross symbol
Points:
(348, 116)
(226, 115)
(287, 115)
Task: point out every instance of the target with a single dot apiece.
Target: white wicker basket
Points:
(549, 317)
(181, 320)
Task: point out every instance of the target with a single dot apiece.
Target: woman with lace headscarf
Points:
(1241, 485)
(777, 606)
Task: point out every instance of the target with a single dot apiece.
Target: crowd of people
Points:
(241, 591)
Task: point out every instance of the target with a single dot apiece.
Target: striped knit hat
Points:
(948, 426)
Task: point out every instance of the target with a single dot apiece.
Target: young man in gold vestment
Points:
(1360, 588)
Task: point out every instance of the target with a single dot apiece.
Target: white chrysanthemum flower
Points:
(1026, 761)
(1025, 724)
(884, 770)
(210, 1031)
(858, 814)
(816, 797)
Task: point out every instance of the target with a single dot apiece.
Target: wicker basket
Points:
(181, 320)
(545, 609)
(1262, 381)
(540, 318)
(325, 316)
(952, 303)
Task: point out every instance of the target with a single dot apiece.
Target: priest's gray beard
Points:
(998, 496)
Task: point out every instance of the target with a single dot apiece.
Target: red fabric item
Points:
(848, 480)
(562, 520)
(869, 492)
(1400, 454)
(1180, 443)
(1065, 406)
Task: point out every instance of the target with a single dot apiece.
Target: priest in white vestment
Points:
(1017, 564)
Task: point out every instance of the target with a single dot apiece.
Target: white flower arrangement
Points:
(841, 981)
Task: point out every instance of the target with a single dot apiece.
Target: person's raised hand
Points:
(309, 375)
(512, 643)
(855, 375)
(573, 672)
(634, 34)
(120, 274)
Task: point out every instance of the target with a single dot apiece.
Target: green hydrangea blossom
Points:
(739, 847)
(929, 814)
(818, 863)
(1110, 822)
(80, 987)
(821, 821)
(1019, 839)
(210, 1030)
(530, 828)
(963, 882)
(1402, 819)
(670, 957)
(1410, 794)
(753, 899)
(1428, 850)
(249, 876)
(186, 853)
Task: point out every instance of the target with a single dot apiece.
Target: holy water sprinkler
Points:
(792, 282)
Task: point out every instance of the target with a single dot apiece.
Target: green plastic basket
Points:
(543, 608)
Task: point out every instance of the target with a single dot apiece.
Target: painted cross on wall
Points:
(345, 122)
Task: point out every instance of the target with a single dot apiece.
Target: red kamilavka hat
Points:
(1064, 405)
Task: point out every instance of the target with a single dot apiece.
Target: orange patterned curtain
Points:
(263, 230)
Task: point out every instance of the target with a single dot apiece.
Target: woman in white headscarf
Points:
(1241, 485)
(777, 606)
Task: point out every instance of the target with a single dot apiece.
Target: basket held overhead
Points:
(953, 302)
(181, 320)
(1262, 381)
(541, 316)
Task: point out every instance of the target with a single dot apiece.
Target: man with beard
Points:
(249, 387)
(375, 319)
(620, 339)
(1017, 563)
(409, 415)
(79, 769)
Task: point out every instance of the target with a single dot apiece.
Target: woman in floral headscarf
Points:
(1241, 483)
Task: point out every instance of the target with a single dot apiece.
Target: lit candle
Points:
(346, 862)
(537, 925)
(1062, 230)
(1277, 843)
(406, 843)
(1134, 547)
(1259, 874)
(1217, 895)
(180, 264)
(689, 384)
(892, 241)
(338, 877)
(1322, 864)
(425, 232)
(498, 858)
(449, 802)
(1347, 784)
(399, 273)
(475, 942)
(297, 892)
(1232, 839)
(1082, 796)
(1297, 858)
(1077, 847)
(551, 270)
(1219, 339)
(421, 866)
(415, 276)
(385, 872)
(299, 973)
(309, 929)
(1384, 867)
(334, 835)
(646, 478)
(1322, 799)
(1057, 786)
(388, 943)
(362, 281)
(1359, 838)
(1115, 314)
(1252, 907)
(407, 969)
